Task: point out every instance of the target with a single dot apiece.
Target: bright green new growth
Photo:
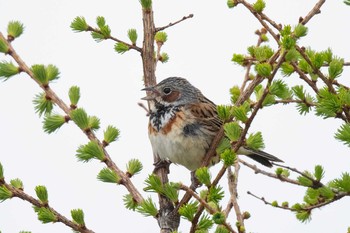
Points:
(74, 95)
(263, 69)
(94, 122)
(335, 68)
(224, 112)
(1, 172)
(215, 194)
(121, 47)
(306, 99)
(147, 208)
(241, 112)
(343, 134)
(45, 215)
(146, 4)
(4, 193)
(189, 210)
(17, 183)
(105, 31)
(171, 191)
(228, 157)
(78, 216)
(41, 193)
(7, 70)
(53, 122)
(287, 69)
(222, 229)
(203, 176)
(111, 134)
(342, 184)
(161, 37)
(3, 47)
(219, 218)
(259, 6)
(89, 151)
(231, 3)
(79, 24)
(80, 117)
(15, 29)
(134, 166)
(153, 184)
(300, 30)
(129, 202)
(238, 58)
(164, 57)
(204, 224)
(280, 89)
(132, 34)
(42, 104)
(232, 131)
(319, 172)
(304, 180)
(235, 93)
(255, 141)
(45, 74)
(108, 176)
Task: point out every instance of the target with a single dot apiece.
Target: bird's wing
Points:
(205, 112)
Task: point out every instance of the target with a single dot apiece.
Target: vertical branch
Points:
(168, 219)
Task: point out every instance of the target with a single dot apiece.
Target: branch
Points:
(269, 174)
(314, 11)
(205, 205)
(60, 218)
(174, 23)
(125, 180)
(337, 197)
(131, 46)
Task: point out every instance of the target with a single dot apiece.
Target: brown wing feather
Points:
(205, 112)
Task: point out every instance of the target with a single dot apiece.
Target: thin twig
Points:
(336, 197)
(60, 218)
(174, 23)
(131, 46)
(205, 205)
(269, 174)
(315, 10)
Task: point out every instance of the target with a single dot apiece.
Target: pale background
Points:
(200, 50)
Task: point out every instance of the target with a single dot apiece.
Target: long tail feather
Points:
(259, 156)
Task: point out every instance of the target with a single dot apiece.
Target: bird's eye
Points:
(167, 90)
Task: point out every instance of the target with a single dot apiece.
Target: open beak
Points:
(152, 93)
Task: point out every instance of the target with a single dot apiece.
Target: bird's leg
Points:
(162, 164)
(194, 181)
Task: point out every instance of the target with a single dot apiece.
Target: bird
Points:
(183, 123)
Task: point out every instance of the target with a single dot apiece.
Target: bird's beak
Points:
(152, 93)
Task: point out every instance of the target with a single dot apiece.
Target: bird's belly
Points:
(178, 148)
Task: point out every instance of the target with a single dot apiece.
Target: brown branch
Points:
(131, 46)
(168, 217)
(174, 23)
(303, 76)
(233, 184)
(205, 205)
(315, 70)
(125, 180)
(269, 174)
(337, 197)
(60, 218)
(262, 18)
(315, 10)
(315, 183)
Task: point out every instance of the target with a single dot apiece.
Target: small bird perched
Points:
(183, 124)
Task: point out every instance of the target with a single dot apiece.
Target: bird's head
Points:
(173, 91)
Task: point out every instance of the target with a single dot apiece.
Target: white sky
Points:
(200, 50)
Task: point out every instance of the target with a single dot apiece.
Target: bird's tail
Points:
(259, 156)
